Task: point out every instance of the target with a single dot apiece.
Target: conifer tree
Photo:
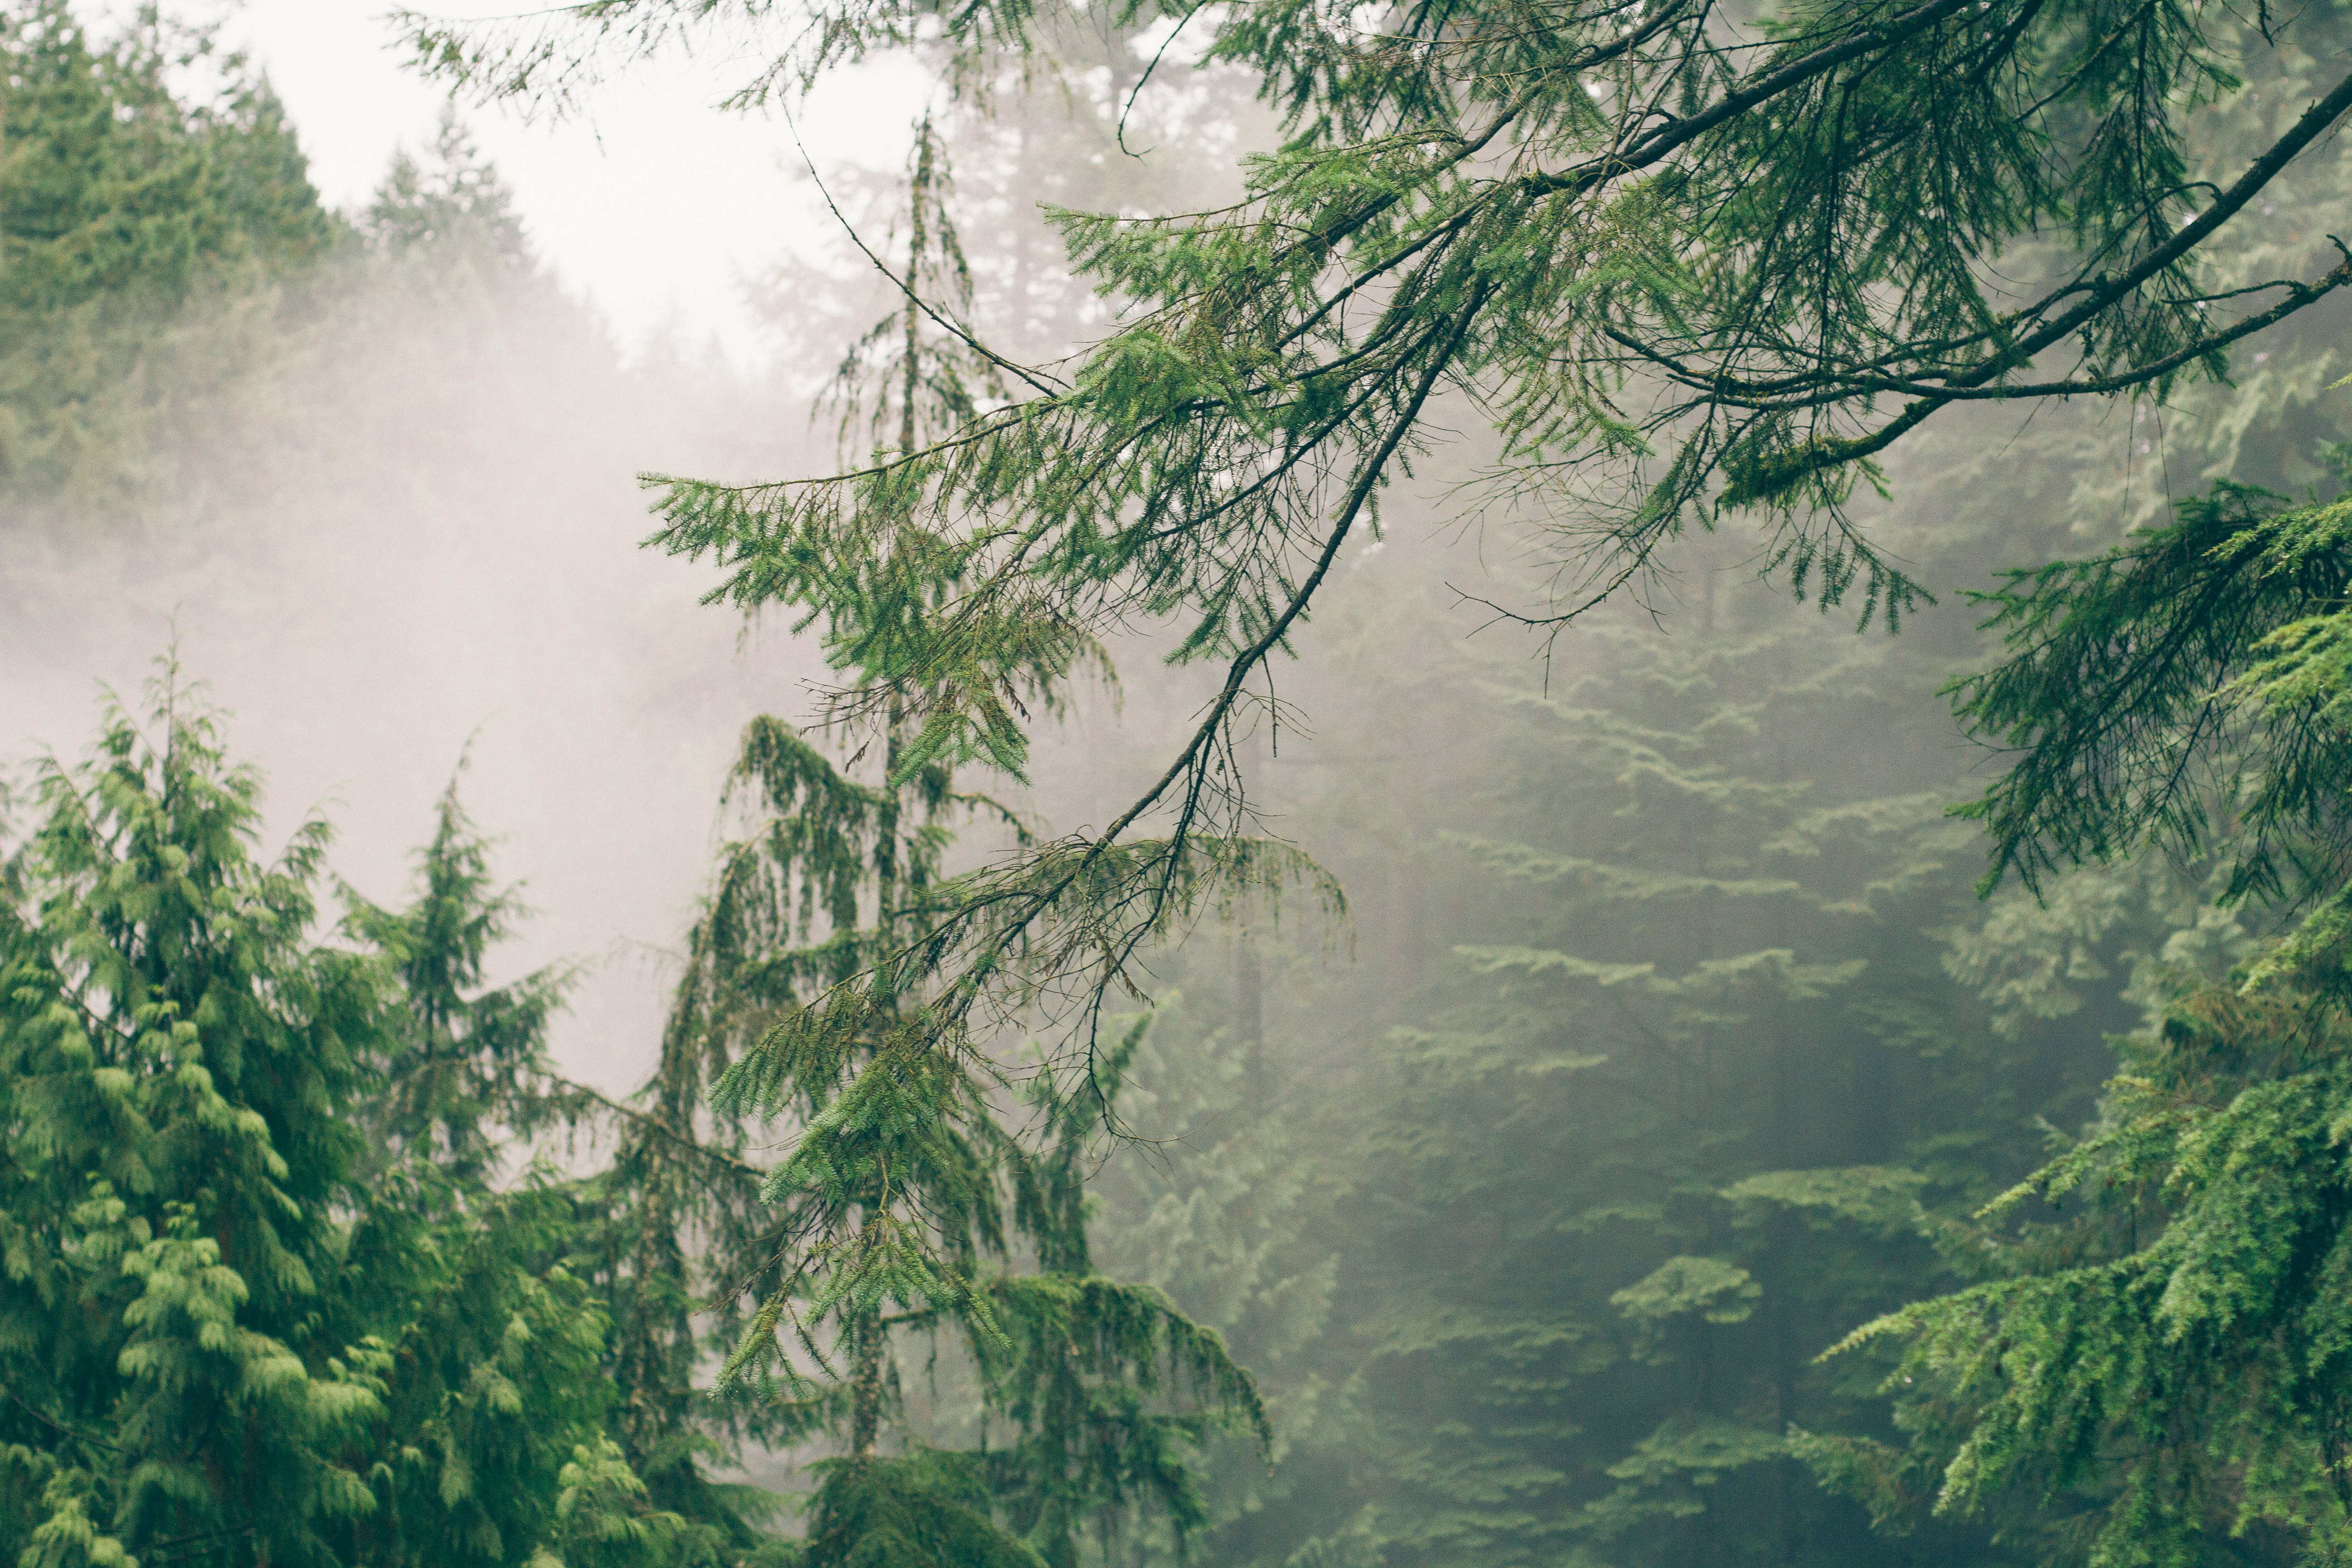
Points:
(471, 1051)
(2153, 1347)
(1664, 1129)
(267, 1302)
(915, 357)
(179, 1055)
(122, 202)
(1090, 1393)
(493, 1430)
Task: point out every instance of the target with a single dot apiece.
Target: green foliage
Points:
(1676, 279)
(2183, 688)
(906, 1204)
(2144, 1374)
(527, 1351)
(1655, 1143)
(1674, 276)
(1694, 1093)
(2160, 1358)
(178, 1051)
(923, 1510)
(138, 231)
(263, 1301)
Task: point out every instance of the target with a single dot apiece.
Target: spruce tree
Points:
(494, 1431)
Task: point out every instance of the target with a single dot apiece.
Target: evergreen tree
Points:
(494, 1408)
(1654, 1146)
(122, 205)
(1223, 1203)
(923, 360)
(180, 1057)
(1683, 1073)
(450, 211)
(470, 1052)
(239, 1327)
(1089, 1392)
(2154, 1339)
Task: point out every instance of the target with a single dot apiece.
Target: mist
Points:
(409, 542)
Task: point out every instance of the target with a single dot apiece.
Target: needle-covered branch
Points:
(865, 1174)
(1684, 259)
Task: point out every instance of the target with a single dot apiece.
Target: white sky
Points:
(655, 207)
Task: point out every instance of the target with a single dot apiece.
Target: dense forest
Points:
(1572, 799)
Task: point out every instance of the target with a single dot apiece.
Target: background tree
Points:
(140, 230)
(1647, 1078)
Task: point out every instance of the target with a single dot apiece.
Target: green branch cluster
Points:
(1681, 259)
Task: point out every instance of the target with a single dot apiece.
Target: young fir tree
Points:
(495, 1426)
(1089, 1394)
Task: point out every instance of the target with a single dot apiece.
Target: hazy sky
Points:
(655, 207)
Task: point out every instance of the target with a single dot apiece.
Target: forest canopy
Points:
(1685, 264)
